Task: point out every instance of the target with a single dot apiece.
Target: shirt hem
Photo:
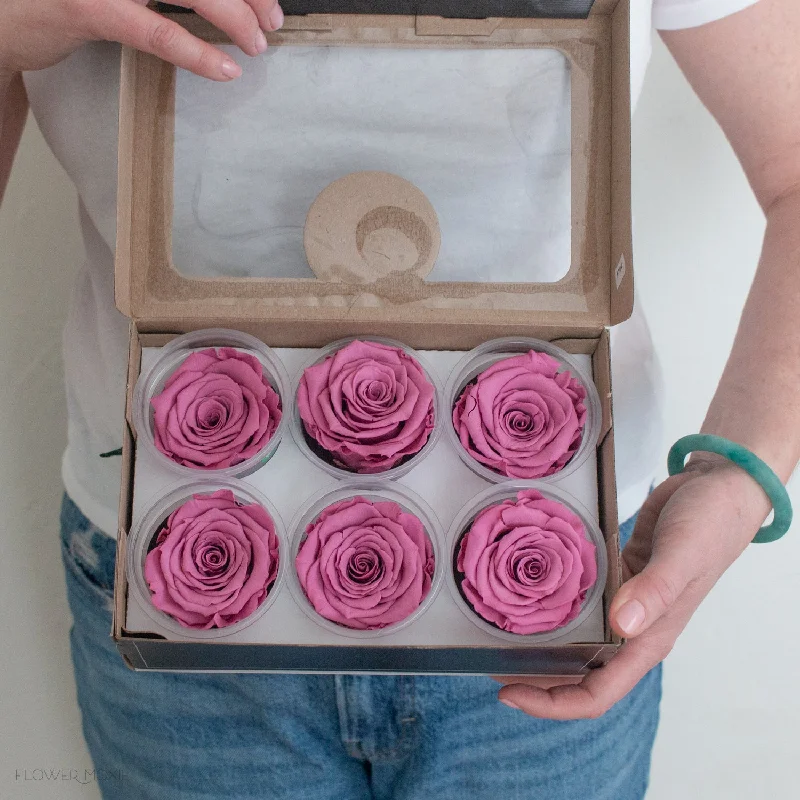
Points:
(98, 514)
(674, 19)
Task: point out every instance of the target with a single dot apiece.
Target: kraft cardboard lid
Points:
(596, 291)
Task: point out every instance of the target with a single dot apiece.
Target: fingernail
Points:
(630, 617)
(509, 704)
(276, 18)
(261, 42)
(230, 69)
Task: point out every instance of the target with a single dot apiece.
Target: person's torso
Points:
(485, 134)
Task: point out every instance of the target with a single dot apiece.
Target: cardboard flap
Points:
(464, 9)
(621, 234)
(597, 289)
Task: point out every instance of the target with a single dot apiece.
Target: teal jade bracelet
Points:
(751, 464)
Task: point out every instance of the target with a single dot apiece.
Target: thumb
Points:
(649, 595)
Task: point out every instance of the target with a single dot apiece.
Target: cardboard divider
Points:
(316, 333)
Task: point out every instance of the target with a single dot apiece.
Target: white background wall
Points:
(730, 707)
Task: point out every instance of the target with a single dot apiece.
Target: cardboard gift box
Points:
(349, 296)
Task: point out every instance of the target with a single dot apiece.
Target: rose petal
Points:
(368, 405)
(529, 530)
(243, 536)
(395, 547)
(522, 417)
(216, 410)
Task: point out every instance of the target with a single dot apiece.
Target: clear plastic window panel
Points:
(485, 134)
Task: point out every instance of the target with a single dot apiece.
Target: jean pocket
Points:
(89, 554)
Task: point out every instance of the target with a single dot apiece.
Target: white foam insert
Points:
(290, 478)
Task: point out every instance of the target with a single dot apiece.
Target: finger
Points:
(539, 681)
(136, 26)
(269, 13)
(638, 550)
(646, 597)
(684, 551)
(598, 691)
(237, 18)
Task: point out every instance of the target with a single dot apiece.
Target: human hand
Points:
(689, 531)
(35, 34)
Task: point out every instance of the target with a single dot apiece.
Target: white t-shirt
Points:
(226, 136)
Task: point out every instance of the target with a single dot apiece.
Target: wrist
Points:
(761, 431)
(742, 490)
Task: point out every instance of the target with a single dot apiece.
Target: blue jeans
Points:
(168, 736)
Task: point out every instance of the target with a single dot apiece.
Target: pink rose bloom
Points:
(368, 405)
(216, 410)
(214, 561)
(365, 565)
(527, 564)
(522, 417)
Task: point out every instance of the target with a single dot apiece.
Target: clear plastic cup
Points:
(495, 495)
(484, 356)
(315, 453)
(151, 383)
(369, 490)
(142, 540)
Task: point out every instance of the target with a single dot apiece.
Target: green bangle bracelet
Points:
(751, 464)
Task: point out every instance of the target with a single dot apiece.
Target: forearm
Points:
(757, 402)
(13, 112)
(746, 70)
